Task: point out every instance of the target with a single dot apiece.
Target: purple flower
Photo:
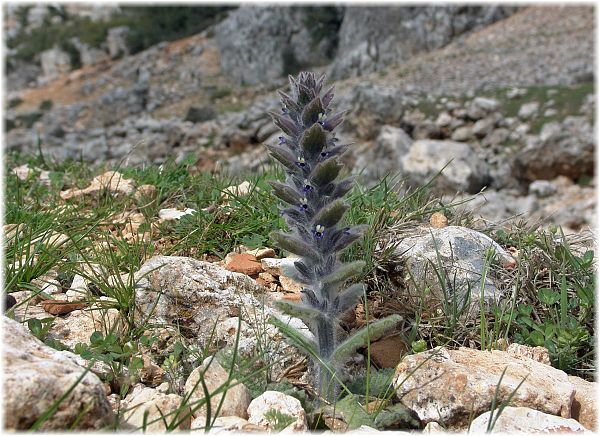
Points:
(304, 204)
(319, 231)
(281, 140)
(307, 187)
(301, 162)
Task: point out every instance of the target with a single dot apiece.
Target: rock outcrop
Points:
(36, 376)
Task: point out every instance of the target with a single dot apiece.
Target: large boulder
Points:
(54, 62)
(383, 157)
(262, 43)
(450, 386)
(451, 263)
(373, 37)
(464, 171)
(192, 294)
(36, 376)
(198, 297)
(562, 149)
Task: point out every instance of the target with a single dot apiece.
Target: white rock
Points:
(35, 376)
(462, 253)
(22, 172)
(274, 266)
(237, 396)
(153, 404)
(462, 134)
(455, 383)
(528, 110)
(280, 402)
(464, 170)
(482, 106)
(526, 420)
(221, 424)
(444, 119)
(240, 190)
(173, 214)
(542, 188)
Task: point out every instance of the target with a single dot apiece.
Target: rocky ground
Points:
(145, 280)
(515, 97)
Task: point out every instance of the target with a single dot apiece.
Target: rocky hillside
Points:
(507, 93)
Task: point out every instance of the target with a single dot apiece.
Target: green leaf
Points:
(302, 343)
(314, 140)
(306, 313)
(350, 296)
(536, 338)
(96, 338)
(331, 214)
(311, 112)
(326, 172)
(372, 332)
(418, 346)
(283, 155)
(344, 272)
(284, 192)
(294, 245)
(548, 296)
(397, 417)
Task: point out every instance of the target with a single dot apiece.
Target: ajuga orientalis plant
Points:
(310, 152)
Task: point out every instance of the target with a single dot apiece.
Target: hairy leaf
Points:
(283, 155)
(285, 124)
(326, 172)
(285, 192)
(343, 187)
(311, 112)
(371, 332)
(302, 342)
(306, 313)
(326, 99)
(299, 271)
(330, 215)
(294, 245)
(348, 236)
(289, 102)
(314, 140)
(349, 297)
(334, 121)
(344, 272)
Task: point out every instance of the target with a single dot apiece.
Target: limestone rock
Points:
(111, 181)
(481, 107)
(383, 157)
(528, 110)
(539, 354)
(465, 172)
(280, 402)
(274, 266)
(151, 374)
(567, 149)
(585, 405)
(173, 214)
(221, 424)
(525, 420)
(462, 252)
(77, 326)
(35, 376)
(143, 401)
(237, 397)
(192, 293)
(452, 383)
(374, 37)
